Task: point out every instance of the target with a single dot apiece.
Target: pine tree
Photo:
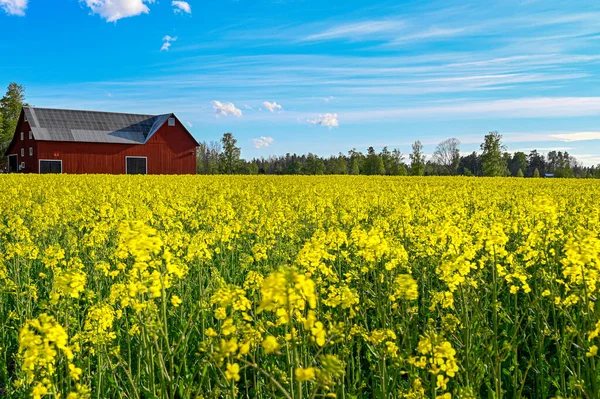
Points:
(492, 160)
(417, 159)
(520, 173)
(230, 158)
(536, 173)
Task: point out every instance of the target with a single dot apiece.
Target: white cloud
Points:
(189, 124)
(181, 6)
(272, 107)
(167, 42)
(14, 7)
(577, 136)
(225, 109)
(263, 142)
(329, 120)
(113, 10)
(330, 98)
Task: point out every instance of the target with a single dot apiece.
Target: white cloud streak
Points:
(226, 109)
(181, 7)
(262, 142)
(272, 106)
(329, 120)
(14, 7)
(113, 10)
(533, 107)
(577, 136)
(355, 30)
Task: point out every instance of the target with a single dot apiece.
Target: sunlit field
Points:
(298, 287)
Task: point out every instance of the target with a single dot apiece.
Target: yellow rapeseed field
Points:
(298, 287)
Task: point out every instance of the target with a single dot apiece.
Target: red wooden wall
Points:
(170, 151)
(31, 162)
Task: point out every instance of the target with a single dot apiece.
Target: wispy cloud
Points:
(226, 109)
(113, 10)
(431, 33)
(262, 142)
(272, 106)
(167, 42)
(577, 136)
(181, 7)
(542, 107)
(328, 120)
(14, 7)
(356, 30)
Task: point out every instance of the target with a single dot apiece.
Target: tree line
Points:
(223, 157)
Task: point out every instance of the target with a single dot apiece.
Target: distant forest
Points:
(224, 158)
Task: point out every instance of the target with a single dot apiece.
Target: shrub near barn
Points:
(202, 286)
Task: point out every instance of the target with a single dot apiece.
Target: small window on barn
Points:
(25, 118)
(30, 135)
(22, 152)
(171, 121)
(30, 151)
(22, 136)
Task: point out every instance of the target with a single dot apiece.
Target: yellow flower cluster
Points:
(270, 286)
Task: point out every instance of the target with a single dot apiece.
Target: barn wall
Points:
(31, 162)
(170, 151)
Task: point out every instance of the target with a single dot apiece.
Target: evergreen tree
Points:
(493, 162)
(380, 168)
(520, 173)
(354, 166)
(230, 158)
(417, 159)
(396, 166)
(10, 110)
(536, 173)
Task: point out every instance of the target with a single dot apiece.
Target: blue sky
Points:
(321, 76)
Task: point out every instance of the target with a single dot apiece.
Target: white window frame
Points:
(30, 151)
(51, 160)
(14, 155)
(133, 156)
(22, 136)
(22, 165)
(171, 121)
(30, 135)
(22, 152)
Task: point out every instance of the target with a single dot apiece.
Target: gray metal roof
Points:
(91, 126)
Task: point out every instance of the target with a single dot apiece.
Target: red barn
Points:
(68, 141)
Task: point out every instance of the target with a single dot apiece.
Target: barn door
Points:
(13, 164)
(50, 166)
(136, 165)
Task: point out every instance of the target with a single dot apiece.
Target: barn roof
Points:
(92, 126)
